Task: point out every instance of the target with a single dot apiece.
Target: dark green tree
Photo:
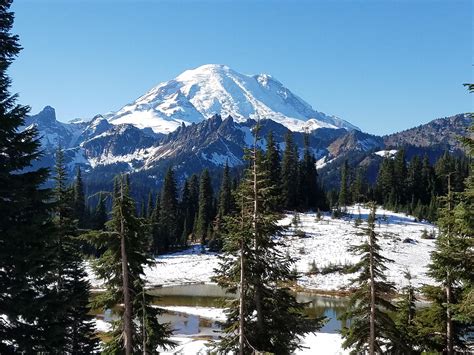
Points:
(26, 231)
(405, 319)
(225, 202)
(205, 212)
(100, 214)
(75, 332)
(266, 317)
(79, 200)
(309, 192)
(344, 198)
(371, 328)
(289, 173)
(168, 222)
(121, 266)
(273, 165)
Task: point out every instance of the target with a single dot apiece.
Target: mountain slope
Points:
(442, 132)
(198, 94)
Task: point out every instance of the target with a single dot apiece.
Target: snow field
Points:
(326, 242)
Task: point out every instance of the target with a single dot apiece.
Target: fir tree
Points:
(308, 189)
(273, 166)
(266, 317)
(79, 200)
(405, 319)
(149, 205)
(75, 332)
(26, 255)
(121, 265)
(205, 207)
(371, 328)
(100, 214)
(344, 188)
(358, 187)
(289, 173)
(168, 222)
(225, 194)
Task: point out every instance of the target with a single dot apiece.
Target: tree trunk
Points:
(241, 300)
(372, 298)
(127, 316)
(258, 294)
(449, 320)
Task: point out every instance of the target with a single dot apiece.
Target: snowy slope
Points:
(200, 93)
(326, 243)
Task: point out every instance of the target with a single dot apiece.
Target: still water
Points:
(213, 296)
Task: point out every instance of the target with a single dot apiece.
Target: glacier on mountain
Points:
(197, 94)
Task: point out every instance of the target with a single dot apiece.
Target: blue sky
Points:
(382, 65)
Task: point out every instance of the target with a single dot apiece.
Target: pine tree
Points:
(205, 207)
(122, 267)
(344, 189)
(225, 194)
(400, 174)
(273, 166)
(405, 319)
(266, 317)
(358, 187)
(155, 225)
(26, 230)
(289, 173)
(309, 194)
(149, 205)
(225, 205)
(385, 183)
(100, 214)
(452, 268)
(168, 223)
(371, 328)
(79, 200)
(75, 333)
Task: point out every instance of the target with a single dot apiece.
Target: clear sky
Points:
(382, 65)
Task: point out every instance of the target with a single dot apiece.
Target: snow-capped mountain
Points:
(198, 94)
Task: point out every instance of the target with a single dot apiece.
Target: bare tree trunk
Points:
(372, 294)
(241, 300)
(449, 320)
(127, 316)
(258, 294)
(143, 320)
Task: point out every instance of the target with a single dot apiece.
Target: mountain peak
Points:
(197, 94)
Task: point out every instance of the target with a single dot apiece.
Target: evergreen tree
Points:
(452, 267)
(344, 189)
(205, 213)
(26, 254)
(309, 194)
(273, 166)
(385, 183)
(155, 225)
(168, 222)
(79, 200)
(121, 265)
(225, 194)
(75, 333)
(224, 207)
(399, 177)
(266, 317)
(358, 187)
(289, 173)
(371, 328)
(405, 319)
(100, 214)
(149, 205)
